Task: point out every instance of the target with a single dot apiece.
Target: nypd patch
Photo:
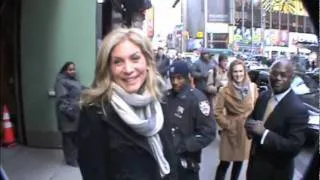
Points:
(172, 69)
(204, 107)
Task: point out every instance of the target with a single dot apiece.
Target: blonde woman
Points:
(121, 132)
(234, 104)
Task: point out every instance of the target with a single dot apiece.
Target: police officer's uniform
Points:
(192, 126)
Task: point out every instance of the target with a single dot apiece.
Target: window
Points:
(292, 23)
(217, 40)
(238, 5)
(257, 13)
(284, 21)
(275, 20)
(267, 20)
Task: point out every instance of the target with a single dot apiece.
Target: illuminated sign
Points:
(199, 34)
(294, 7)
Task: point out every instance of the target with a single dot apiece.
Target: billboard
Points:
(218, 11)
(294, 7)
(275, 37)
(245, 37)
(283, 38)
(194, 44)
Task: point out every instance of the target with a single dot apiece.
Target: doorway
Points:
(10, 69)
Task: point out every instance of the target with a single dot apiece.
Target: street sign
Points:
(199, 34)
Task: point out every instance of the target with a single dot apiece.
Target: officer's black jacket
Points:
(191, 121)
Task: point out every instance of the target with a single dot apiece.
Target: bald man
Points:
(277, 127)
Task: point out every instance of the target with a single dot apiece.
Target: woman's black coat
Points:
(110, 150)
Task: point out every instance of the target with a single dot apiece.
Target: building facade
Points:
(37, 37)
(248, 24)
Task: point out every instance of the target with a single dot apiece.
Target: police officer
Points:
(188, 113)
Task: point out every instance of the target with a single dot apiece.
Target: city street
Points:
(24, 163)
(57, 55)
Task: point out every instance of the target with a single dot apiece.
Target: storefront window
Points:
(215, 40)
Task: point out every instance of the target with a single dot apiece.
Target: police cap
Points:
(179, 67)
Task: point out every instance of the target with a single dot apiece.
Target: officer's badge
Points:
(180, 109)
(204, 107)
(184, 163)
(179, 112)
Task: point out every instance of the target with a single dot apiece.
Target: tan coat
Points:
(231, 114)
(220, 78)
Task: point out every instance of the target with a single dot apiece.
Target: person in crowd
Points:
(312, 170)
(162, 62)
(190, 119)
(308, 65)
(122, 133)
(179, 57)
(200, 72)
(234, 104)
(313, 65)
(277, 127)
(155, 51)
(213, 60)
(217, 78)
(68, 90)
(270, 61)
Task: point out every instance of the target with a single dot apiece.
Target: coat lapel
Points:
(263, 105)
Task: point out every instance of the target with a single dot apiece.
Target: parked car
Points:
(314, 74)
(227, 52)
(306, 88)
(253, 64)
(216, 52)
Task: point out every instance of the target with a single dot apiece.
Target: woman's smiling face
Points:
(238, 73)
(128, 66)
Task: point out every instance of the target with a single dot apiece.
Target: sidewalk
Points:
(24, 163)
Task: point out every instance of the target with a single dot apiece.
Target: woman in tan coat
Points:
(234, 104)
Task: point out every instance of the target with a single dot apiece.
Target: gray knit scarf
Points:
(144, 115)
(242, 90)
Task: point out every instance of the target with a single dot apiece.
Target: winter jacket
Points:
(68, 92)
(162, 64)
(231, 114)
(108, 149)
(217, 78)
(200, 72)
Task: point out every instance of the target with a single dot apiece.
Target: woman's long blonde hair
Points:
(101, 89)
